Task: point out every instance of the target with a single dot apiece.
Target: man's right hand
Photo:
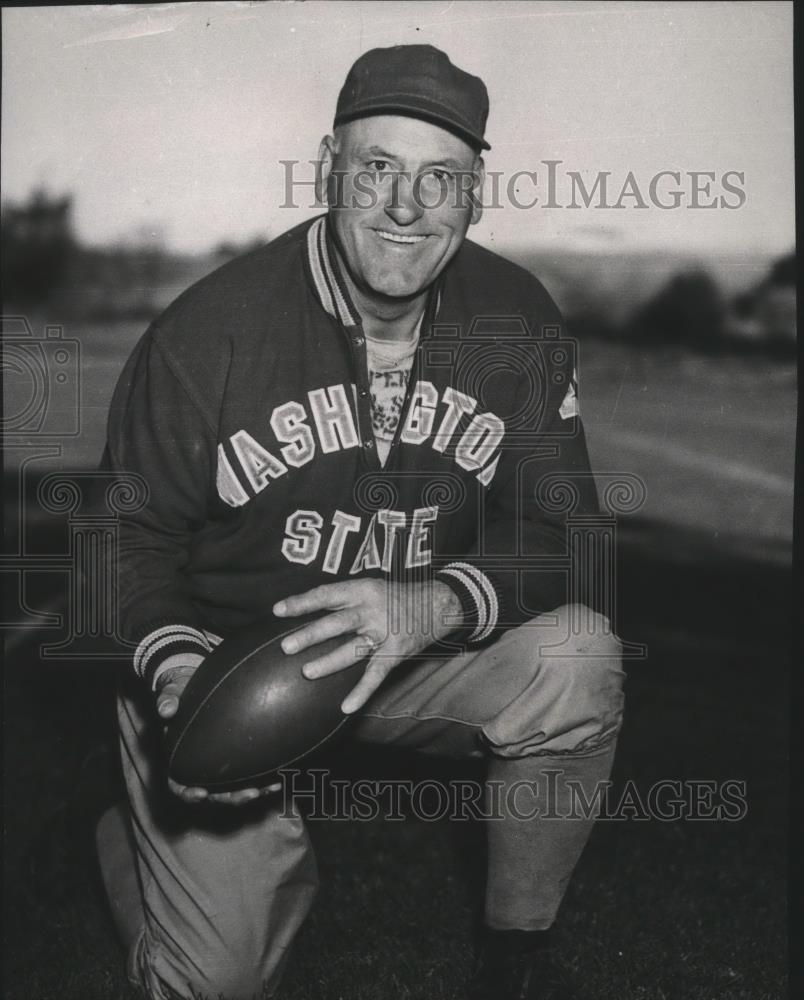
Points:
(169, 688)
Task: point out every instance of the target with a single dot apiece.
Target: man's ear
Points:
(477, 190)
(323, 167)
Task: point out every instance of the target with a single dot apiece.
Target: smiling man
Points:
(403, 206)
(365, 420)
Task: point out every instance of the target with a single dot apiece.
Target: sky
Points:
(174, 119)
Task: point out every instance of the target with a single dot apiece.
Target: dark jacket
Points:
(246, 409)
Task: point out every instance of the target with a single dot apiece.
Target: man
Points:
(354, 421)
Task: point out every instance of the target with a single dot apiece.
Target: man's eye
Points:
(442, 176)
(378, 165)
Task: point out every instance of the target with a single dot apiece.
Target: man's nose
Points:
(402, 205)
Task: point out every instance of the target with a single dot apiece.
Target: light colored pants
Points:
(222, 896)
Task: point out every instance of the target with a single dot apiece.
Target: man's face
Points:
(400, 197)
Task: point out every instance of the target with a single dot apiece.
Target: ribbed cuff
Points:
(170, 640)
(479, 599)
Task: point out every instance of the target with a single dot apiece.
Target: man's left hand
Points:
(394, 621)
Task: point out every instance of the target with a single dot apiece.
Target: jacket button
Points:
(363, 393)
(368, 445)
(359, 341)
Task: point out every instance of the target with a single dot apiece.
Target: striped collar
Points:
(328, 281)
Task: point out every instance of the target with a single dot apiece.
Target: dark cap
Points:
(418, 81)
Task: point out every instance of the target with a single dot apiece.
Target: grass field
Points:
(657, 910)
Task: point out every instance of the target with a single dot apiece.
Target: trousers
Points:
(220, 893)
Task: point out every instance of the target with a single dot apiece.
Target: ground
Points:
(657, 910)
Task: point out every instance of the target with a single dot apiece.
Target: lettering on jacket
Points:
(380, 536)
(327, 423)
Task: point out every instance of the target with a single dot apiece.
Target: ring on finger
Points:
(366, 640)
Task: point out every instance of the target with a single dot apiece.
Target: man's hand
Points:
(169, 688)
(392, 621)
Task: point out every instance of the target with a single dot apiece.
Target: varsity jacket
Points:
(245, 408)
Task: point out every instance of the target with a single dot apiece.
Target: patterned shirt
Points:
(389, 365)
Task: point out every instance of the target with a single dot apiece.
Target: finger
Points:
(170, 691)
(270, 789)
(328, 627)
(340, 658)
(167, 701)
(375, 674)
(235, 798)
(187, 794)
(326, 597)
(167, 707)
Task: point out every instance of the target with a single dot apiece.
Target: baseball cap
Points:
(417, 81)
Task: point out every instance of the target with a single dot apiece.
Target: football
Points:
(248, 710)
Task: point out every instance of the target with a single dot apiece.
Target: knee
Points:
(589, 666)
(219, 975)
(209, 965)
(223, 977)
(571, 654)
(582, 647)
(570, 686)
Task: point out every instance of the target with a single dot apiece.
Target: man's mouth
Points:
(384, 234)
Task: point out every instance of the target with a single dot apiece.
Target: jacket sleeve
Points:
(521, 564)
(157, 432)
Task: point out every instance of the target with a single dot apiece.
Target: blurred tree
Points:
(783, 272)
(227, 249)
(37, 246)
(763, 318)
(776, 306)
(689, 310)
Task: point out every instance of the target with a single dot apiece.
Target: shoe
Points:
(532, 974)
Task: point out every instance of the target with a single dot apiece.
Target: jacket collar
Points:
(328, 282)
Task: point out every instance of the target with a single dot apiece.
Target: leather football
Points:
(248, 710)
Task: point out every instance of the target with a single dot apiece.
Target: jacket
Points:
(245, 408)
